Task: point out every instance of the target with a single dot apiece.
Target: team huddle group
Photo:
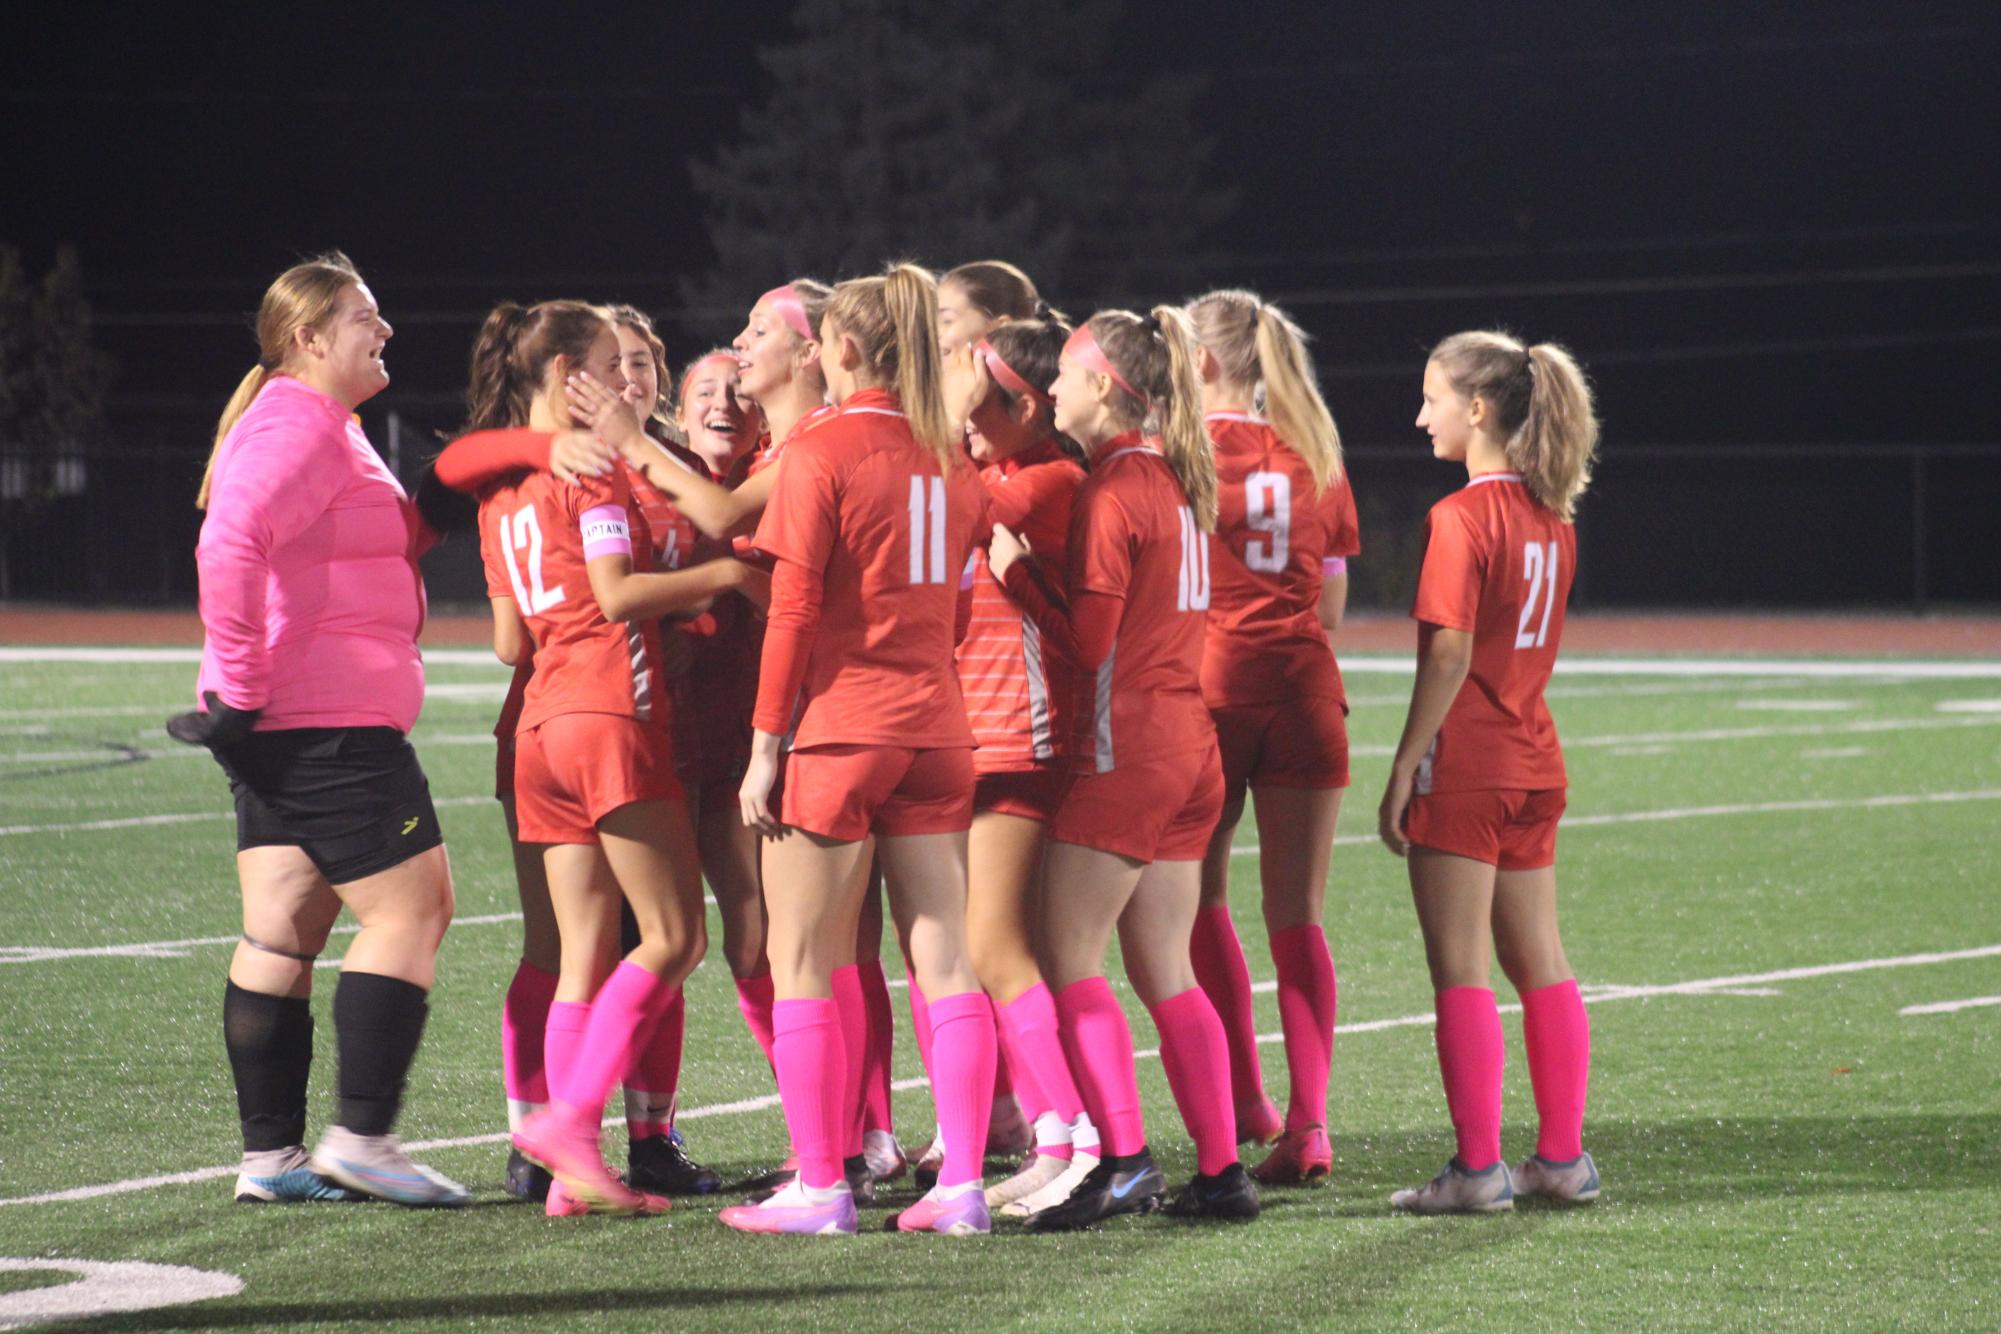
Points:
(913, 588)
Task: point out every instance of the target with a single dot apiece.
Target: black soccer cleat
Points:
(525, 1181)
(659, 1166)
(1228, 1195)
(1131, 1184)
(860, 1180)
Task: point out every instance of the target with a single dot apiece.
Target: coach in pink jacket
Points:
(311, 602)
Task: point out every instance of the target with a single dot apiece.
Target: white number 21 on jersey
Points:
(1268, 510)
(927, 530)
(1539, 573)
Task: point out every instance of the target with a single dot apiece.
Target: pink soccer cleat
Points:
(961, 1214)
(800, 1210)
(1263, 1125)
(569, 1151)
(1301, 1156)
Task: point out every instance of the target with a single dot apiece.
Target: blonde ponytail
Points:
(1542, 408)
(894, 322)
(1256, 343)
(302, 297)
(1184, 439)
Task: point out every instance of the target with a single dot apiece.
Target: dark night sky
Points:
(1767, 225)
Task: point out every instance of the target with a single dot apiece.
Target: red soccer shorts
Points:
(1032, 794)
(1156, 811)
(576, 768)
(1508, 830)
(848, 792)
(1298, 743)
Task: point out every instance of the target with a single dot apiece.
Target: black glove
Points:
(219, 728)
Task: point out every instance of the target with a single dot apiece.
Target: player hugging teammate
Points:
(919, 585)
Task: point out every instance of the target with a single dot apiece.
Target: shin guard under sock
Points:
(378, 1022)
(270, 1044)
(1558, 1035)
(1197, 1060)
(1471, 1058)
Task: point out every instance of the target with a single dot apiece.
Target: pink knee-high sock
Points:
(1558, 1034)
(920, 1019)
(564, 1040)
(1008, 1063)
(1306, 998)
(624, 1013)
(852, 1007)
(524, 1025)
(1028, 1022)
(811, 1058)
(1218, 957)
(753, 998)
(877, 1112)
(1470, 1057)
(962, 1080)
(1099, 1046)
(656, 1077)
(1197, 1060)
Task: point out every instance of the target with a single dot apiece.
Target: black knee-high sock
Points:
(377, 1023)
(270, 1042)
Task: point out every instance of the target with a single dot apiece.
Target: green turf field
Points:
(1760, 874)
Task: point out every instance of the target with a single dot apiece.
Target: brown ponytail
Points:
(1256, 343)
(1542, 409)
(511, 356)
(1156, 355)
(1001, 291)
(894, 322)
(302, 297)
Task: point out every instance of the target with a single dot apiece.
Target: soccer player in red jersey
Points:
(1014, 701)
(977, 298)
(1477, 785)
(1126, 845)
(1285, 527)
(593, 765)
(871, 522)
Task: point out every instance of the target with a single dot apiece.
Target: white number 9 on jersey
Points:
(1268, 510)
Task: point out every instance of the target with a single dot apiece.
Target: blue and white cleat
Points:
(376, 1165)
(1574, 1182)
(285, 1177)
(1455, 1190)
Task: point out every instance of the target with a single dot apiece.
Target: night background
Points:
(1770, 233)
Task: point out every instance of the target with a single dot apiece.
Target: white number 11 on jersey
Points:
(927, 530)
(1539, 573)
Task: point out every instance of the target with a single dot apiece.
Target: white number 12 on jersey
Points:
(927, 530)
(1539, 573)
(518, 530)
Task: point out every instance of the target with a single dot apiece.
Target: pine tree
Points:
(946, 131)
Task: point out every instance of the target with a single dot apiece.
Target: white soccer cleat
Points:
(1037, 1172)
(1457, 1191)
(1574, 1182)
(1056, 1190)
(376, 1165)
(285, 1176)
(886, 1159)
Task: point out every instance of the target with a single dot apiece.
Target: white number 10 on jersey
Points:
(1539, 573)
(927, 530)
(1192, 590)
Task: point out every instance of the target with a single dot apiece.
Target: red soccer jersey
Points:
(1274, 539)
(1134, 537)
(1499, 565)
(535, 538)
(1017, 718)
(864, 506)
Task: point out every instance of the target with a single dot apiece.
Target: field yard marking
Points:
(1949, 1007)
(178, 949)
(1968, 706)
(104, 1287)
(1798, 705)
(1726, 985)
(1867, 726)
(1834, 753)
(187, 817)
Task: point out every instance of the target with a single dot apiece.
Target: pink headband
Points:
(787, 303)
(1005, 376)
(688, 376)
(1083, 348)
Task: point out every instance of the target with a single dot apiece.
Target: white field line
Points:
(189, 817)
(1949, 1007)
(1866, 726)
(1703, 812)
(1693, 987)
(1914, 669)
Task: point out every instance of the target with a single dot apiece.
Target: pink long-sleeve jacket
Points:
(310, 592)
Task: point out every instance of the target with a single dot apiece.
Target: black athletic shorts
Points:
(353, 798)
